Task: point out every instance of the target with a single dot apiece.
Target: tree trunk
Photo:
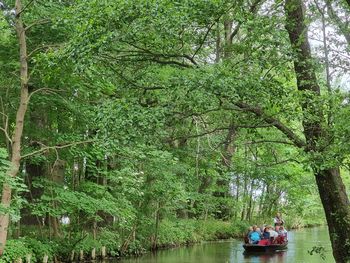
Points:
(154, 244)
(32, 170)
(336, 206)
(250, 203)
(244, 197)
(330, 185)
(261, 201)
(57, 176)
(218, 44)
(17, 134)
(223, 183)
(237, 196)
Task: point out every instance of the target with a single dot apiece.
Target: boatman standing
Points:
(278, 221)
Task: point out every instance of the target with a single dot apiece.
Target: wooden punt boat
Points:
(265, 248)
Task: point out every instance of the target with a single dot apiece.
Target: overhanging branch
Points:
(273, 121)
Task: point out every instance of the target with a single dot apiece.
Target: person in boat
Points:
(254, 236)
(266, 233)
(259, 231)
(278, 221)
(282, 235)
(282, 232)
(246, 238)
(273, 233)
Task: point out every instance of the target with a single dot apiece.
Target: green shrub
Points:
(179, 232)
(111, 240)
(87, 244)
(135, 248)
(41, 248)
(240, 227)
(174, 233)
(15, 249)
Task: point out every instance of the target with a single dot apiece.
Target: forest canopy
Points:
(130, 122)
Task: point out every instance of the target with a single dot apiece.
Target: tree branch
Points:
(206, 35)
(5, 119)
(42, 89)
(24, 8)
(6, 134)
(252, 10)
(42, 47)
(38, 22)
(157, 56)
(149, 58)
(274, 122)
(278, 162)
(55, 148)
(269, 141)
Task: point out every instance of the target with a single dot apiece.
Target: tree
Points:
(190, 107)
(19, 124)
(330, 185)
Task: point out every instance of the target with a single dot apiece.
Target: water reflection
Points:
(277, 257)
(232, 251)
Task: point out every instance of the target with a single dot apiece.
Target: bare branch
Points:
(40, 90)
(44, 149)
(42, 47)
(38, 22)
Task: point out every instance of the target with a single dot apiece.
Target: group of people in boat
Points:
(268, 235)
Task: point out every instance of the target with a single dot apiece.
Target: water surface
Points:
(300, 241)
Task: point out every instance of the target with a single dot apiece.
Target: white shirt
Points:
(273, 233)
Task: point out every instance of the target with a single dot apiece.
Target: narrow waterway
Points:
(300, 242)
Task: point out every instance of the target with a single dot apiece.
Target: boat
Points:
(265, 248)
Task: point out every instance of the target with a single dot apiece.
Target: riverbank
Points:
(109, 244)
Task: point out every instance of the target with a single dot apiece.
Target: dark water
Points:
(300, 241)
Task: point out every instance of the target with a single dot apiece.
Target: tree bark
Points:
(330, 185)
(336, 205)
(17, 134)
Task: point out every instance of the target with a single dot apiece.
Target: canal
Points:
(300, 242)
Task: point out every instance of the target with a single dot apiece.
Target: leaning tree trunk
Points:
(330, 185)
(17, 134)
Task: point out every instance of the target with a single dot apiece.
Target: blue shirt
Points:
(266, 235)
(254, 236)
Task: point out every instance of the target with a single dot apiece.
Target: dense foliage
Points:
(160, 123)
